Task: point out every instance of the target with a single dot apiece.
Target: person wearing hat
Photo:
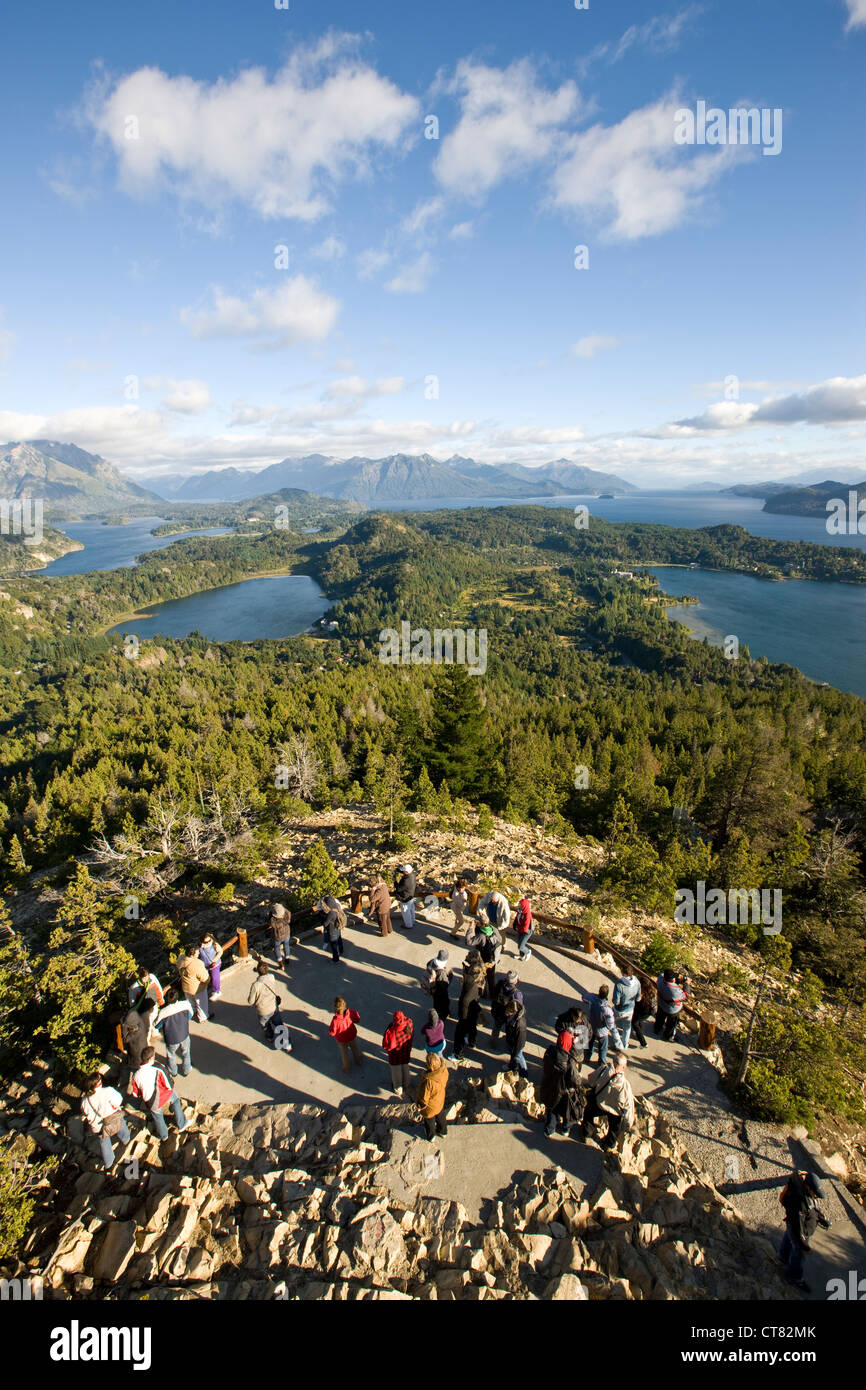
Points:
(433, 1033)
(799, 1197)
(515, 1036)
(280, 926)
(486, 940)
(506, 989)
(437, 983)
(430, 1096)
(560, 1092)
(404, 887)
(469, 1006)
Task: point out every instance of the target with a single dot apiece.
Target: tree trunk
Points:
(747, 1045)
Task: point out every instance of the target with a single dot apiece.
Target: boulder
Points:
(566, 1288)
(116, 1248)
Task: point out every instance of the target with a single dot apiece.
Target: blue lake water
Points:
(114, 547)
(818, 627)
(275, 606)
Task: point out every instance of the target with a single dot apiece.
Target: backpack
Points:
(487, 950)
(342, 919)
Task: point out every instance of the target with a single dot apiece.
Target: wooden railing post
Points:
(243, 949)
(472, 896)
(355, 896)
(706, 1034)
(588, 940)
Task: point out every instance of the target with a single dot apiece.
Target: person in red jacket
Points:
(344, 1031)
(397, 1042)
(524, 928)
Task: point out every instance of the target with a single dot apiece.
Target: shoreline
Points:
(212, 588)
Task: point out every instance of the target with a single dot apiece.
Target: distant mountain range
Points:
(69, 479)
(398, 478)
(812, 501)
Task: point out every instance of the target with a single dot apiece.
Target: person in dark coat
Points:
(603, 1024)
(380, 905)
(404, 889)
(559, 1090)
(643, 1010)
(799, 1198)
(515, 1035)
(437, 983)
(469, 1005)
(506, 989)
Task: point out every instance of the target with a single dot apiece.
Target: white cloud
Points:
(837, 401)
(659, 34)
(187, 397)
(856, 13)
(293, 311)
(422, 213)
(507, 122)
(530, 434)
(413, 278)
(632, 178)
(371, 262)
(280, 144)
(333, 248)
(594, 344)
(462, 231)
(357, 386)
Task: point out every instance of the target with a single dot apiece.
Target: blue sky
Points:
(161, 153)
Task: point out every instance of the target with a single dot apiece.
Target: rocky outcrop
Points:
(292, 1202)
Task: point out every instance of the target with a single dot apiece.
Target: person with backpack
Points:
(333, 926)
(380, 905)
(524, 928)
(486, 940)
(397, 1043)
(575, 1022)
(263, 996)
(344, 1032)
(152, 1087)
(505, 989)
(469, 1006)
(672, 991)
(173, 1025)
(609, 1096)
(194, 980)
(626, 993)
(210, 953)
(136, 1030)
(643, 1009)
(430, 1096)
(102, 1108)
(437, 983)
(515, 1036)
(280, 926)
(404, 887)
(433, 1034)
(146, 985)
(799, 1198)
(560, 1091)
(603, 1025)
(459, 899)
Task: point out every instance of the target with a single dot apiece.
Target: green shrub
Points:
(319, 877)
(659, 954)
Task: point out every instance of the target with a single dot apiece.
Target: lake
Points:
(114, 547)
(818, 627)
(280, 605)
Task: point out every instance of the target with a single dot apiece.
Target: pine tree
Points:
(19, 987)
(84, 968)
(460, 748)
(319, 877)
(424, 797)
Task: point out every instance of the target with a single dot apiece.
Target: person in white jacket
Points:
(102, 1108)
(609, 1095)
(495, 906)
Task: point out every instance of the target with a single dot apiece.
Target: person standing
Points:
(344, 1032)
(430, 1096)
(487, 941)
(515, 1036)
(147, 985)
(437, 983)
(799, 1197)
(280, 926)
(505, 989)
(672, 992)
(560, 1091)
(210, 954)
(102, 1108)
(404, 887)
(626, 993)
(459, 899)
(194, 980)
(433, 1033)
(380, 905)
(263, 995)
(609, 1095)
(469, 1006)
(643, 1010)
(524, 928)
(602, 1024)
(333, 925)
(152, 1087)
(173, 1025)
(136, 1031)
(397, 1043)
(495, 905)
